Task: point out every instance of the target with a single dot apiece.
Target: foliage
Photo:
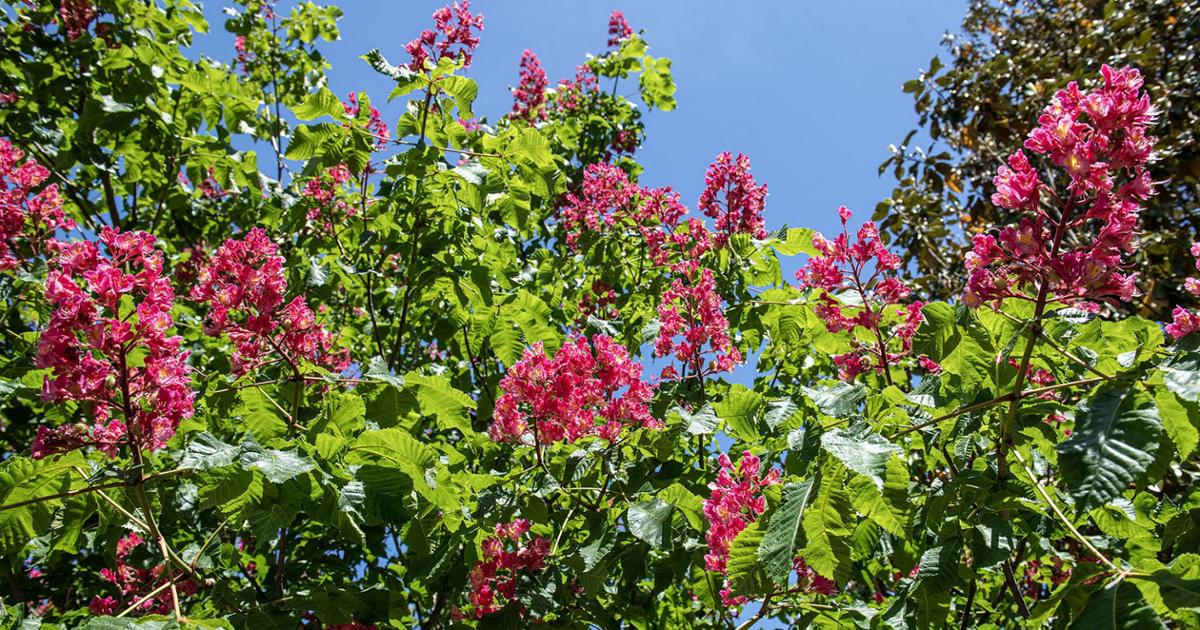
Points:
(398, 373)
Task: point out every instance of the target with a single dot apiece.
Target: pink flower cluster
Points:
(136, 584)
(577, 393)
(571, 94)
(75, 16)
(618, 29)
(733, 198)
(529, 97)
(24, 213)
(375, 125)
(107, 345)
(1186, 322)
(244, 288)
(607, 201)
(809, 581)
(1099, 139)
(861, 269)
(495, 574)
(694, 330)
(735, 502)
(321, 195)
(451, 37)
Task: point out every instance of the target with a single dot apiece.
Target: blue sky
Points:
(810, 91)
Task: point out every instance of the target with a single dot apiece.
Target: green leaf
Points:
(318, 104)
(1182, 376)
(1180, 419)
(206, 451)
(840, 400)
(1117, 606)
(739, 409)
(396, 450)
(779, 411)
(865, 452)
(648, 520)
(22, 480)
(797, 241)
(657, 85)
(276, 466)
(463, 91)
(781, 542)
(827, 550)
(1116, 437)
(438, 398)
(957, 341)
(743, 569)
(260, 414)
(531, 147)
(703, 422)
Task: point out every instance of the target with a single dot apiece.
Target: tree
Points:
(974, 102)
(399, 373)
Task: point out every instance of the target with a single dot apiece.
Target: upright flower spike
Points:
(736, 500)
(862, 268)
(27, 215)
(607, 202)
(618, 29)
(244, 288)
(1099, 140)
(529, 97)
(694, 329)
(578, 393)
(452, 37)
(107, 346)
(733, 198)
(138, 586)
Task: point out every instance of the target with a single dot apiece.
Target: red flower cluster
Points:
(375, 125)
(320, 191)
(25, 214)
(607, 200)
(75, 16)
(841, 270)
(244, 288)
(570, 94)
(1099, 139)
(1186, 322)
(693, 328)
(741, 211)
(529, 97)
(735, 502)
(495, 574)
(618, 29)
(451, 37)
(107, 345)
(137, 583)
(809, 581)
(576, 394)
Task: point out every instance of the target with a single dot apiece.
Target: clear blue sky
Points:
(809, 90)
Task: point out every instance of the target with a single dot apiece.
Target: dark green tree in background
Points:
(974, 103)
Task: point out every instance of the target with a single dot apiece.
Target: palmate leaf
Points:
(838, 400)
(648, 521)
(865, 452)
(396, 450)
(779, 545)
(827, 549)
(744, 570)
(1116, 437)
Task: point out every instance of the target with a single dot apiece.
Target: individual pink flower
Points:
(1099, 140)
(618, 29)
(529, 97)
(861, 269)
(735, 501)
(107, 346)
(585, 389)
(30, 213)
(245, 290)
(493, 579)
(452, 37)
(733, 198)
